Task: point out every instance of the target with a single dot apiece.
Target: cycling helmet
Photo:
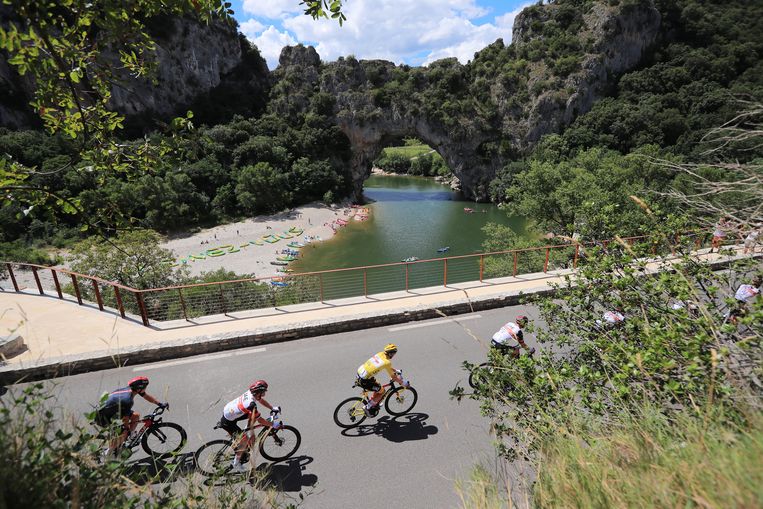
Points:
(139, 383)
(258, 386)
(521, 319)
(390, 349)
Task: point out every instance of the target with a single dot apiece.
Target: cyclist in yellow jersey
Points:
(368, 370)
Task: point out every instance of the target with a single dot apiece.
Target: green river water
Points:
(409, 216)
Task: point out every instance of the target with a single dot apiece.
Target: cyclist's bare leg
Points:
(241, 444)
(377, 396)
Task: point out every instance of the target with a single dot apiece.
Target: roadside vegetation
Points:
(50, 461)
(664, 409)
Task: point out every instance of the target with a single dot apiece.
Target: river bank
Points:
(239, 247)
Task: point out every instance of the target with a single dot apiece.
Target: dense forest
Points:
(288, 150)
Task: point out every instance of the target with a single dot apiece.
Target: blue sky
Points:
(414, 32)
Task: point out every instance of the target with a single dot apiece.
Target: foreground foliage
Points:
(47, 461)
(647, 460)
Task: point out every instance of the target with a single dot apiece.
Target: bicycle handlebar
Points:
(159, 410)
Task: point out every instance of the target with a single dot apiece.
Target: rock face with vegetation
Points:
(481, 115)
(192, 58)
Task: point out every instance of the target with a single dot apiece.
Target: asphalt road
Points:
(410, 461)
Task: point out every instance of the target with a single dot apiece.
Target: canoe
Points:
(284, 235)
(288, 258)
(295, 245)
(443, 249)
(296, 231)
(257, 242)
(270, 239)
(409, 259)
(279, 263)
(279, 284)
(468, 210)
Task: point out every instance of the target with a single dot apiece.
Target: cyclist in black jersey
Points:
(120, 403)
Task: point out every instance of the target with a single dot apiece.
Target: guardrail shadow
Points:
(403, 428)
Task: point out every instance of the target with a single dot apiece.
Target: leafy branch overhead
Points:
(76, 53)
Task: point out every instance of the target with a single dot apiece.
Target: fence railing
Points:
(224, 297)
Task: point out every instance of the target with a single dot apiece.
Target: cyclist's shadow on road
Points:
(289, 474)
(158, 470)
(403, 428)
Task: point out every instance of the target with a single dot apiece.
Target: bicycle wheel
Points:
(401, 400)
(478, 375)
(349, 413)
(214, 458)
(163, 439)
(279, 444)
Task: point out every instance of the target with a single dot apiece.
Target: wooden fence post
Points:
(482, 266)
(119, 301)
(142, 307)
(76, 289)
(37, 280)
(97, 294)
(13, 278)
(58, 285)
(182, 304)
(575, 258)
(445, 273)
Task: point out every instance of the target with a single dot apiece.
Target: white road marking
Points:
(197, 359)
(436, 322)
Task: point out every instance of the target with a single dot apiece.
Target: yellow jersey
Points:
(372, 366)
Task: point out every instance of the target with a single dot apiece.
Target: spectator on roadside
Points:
(719, 233)
(691, 308)
(745, 294)
(612, 318)
(752, 239)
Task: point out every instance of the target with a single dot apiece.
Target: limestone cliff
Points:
(481, 115)
(193, 59)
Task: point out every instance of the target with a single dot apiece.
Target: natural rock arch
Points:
(477, 118)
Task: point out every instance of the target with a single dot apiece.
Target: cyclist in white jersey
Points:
(744, 294)
(510, 337)
(245, 408)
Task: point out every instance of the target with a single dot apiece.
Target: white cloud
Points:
(272, 9)
(415, 32)
(270, 42)
(251, 28)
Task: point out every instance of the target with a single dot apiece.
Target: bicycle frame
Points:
(388, 386)
(245, 432)
(148, 422)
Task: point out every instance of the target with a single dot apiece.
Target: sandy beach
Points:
(236, 240)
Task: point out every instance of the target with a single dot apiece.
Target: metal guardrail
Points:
(224, 297)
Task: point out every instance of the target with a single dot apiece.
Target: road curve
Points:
(410, 461)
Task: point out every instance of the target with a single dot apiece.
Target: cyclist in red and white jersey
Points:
(510, 337)
(245, 408)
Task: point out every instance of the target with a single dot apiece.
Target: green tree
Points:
(262, 188)
(132, 258)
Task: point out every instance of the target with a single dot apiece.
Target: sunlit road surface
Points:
(411, 461)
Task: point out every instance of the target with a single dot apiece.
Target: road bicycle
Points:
(479, 375)
(275, 444)
(159, 439)
(399, 400)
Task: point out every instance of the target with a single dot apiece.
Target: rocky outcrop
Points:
(473, 121)
(193, 59)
